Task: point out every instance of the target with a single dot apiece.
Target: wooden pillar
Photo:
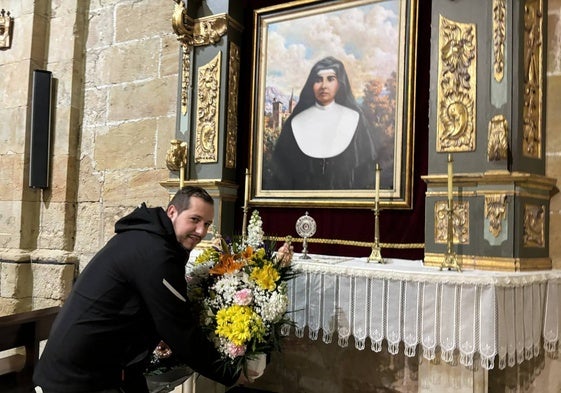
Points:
(487, 109)
(209, 34)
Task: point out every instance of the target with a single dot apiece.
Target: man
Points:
(129, 297)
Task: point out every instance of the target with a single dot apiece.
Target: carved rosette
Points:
(534, 225)
(456, 87)
(497, 147)
(460, 222)
(533, 79)
(208, 81)
(233, 86)
(495, 212)
(499, 37)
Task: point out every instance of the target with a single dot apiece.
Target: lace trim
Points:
(458, 317)
(415, 272)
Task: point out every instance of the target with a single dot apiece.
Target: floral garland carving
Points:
(456, 87)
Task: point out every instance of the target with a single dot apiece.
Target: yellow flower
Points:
(239, 324)
(208, 254)
(266, 276)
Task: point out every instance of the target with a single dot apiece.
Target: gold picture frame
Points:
(371, 44)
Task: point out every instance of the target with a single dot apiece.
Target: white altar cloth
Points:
(503, 315)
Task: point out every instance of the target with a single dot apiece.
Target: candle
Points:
(181, 176)
(246, 195)
(450, 176)
(377, 184)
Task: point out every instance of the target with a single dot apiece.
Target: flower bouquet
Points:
(240, 290)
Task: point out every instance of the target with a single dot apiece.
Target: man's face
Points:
(191, 225)
(326, 86)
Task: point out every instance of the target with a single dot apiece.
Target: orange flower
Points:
(226, 264)
(247, 253)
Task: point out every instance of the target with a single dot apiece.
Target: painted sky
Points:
(365, 38)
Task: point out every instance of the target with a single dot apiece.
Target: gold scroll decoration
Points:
(456, 86)
(533, 79)
(233, 86)
(495, 212)
(460, 222)
(183, 27)
(497, 142)
(5, 29)
(499, 37)
(208, 80)
(194, 32)
(534, 225)
(197, 32)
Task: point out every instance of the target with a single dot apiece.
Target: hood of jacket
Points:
(153, 220)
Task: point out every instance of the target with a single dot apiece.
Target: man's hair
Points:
(182, 198)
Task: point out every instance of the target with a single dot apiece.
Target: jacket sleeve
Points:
(161, 283)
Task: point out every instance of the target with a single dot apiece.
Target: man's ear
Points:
(171, 211)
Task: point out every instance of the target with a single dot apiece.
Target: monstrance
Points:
(305, 227)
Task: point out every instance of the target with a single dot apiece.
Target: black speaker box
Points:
(40, 150)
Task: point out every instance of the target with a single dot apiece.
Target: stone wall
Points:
(114, 66)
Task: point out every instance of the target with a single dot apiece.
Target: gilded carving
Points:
(495, 212)
(176, 156)
(208, 31)
(460, 222)
(5, 29)
(181, 23)
(197, 32)
(456, 86)
(499, 37)
(185, 78)
(534, 225)
(533, 79)
(497, 143)
(206, 146)
(233, 86)
(194, 32)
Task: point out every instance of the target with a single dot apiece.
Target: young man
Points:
(129, 297)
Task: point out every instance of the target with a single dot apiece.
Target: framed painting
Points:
(332, 100)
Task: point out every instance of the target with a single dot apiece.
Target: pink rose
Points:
(235, 350)
(243, 297)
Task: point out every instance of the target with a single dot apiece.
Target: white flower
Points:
(255, 230)
(275, 308)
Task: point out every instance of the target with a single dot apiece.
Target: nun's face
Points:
(326, 86)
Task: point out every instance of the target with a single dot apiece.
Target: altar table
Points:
(477, 314)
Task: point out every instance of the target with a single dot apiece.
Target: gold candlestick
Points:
(245, 205)
(376, 254)
(450, 261)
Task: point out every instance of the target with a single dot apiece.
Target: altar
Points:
(407, 327)
(498, 319)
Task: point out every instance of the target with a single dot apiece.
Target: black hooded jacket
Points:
(130, 296)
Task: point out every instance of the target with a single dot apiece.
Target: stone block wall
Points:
(114, 67)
